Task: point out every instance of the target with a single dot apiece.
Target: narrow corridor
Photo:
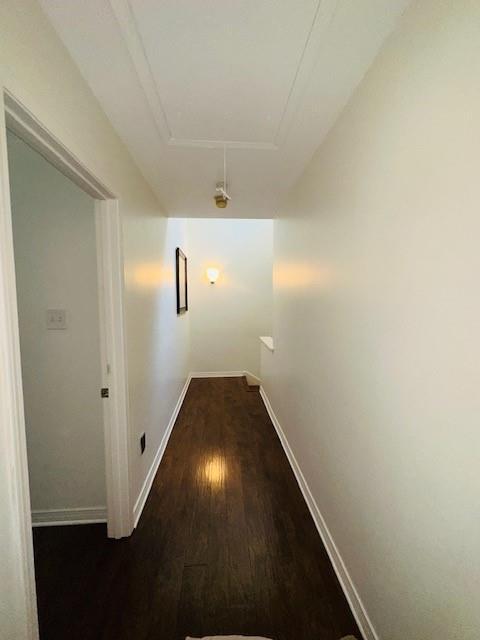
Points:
(225, 544)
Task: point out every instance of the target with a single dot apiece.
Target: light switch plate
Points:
(56, 319)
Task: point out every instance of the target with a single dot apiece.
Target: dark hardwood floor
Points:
(225, 545)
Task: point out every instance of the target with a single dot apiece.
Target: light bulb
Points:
(212, 274)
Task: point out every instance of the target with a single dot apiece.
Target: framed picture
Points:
(181, 268)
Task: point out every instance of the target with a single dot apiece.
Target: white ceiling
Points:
(181, 79)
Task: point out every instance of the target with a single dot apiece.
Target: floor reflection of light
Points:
(213, 471)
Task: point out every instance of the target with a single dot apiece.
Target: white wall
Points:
(228, 317)
(36, 68)
(377, 347)
(160, 375)
(56, 268)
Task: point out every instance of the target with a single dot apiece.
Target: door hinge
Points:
(105, 392)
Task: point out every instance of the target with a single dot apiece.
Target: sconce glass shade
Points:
(212, 274)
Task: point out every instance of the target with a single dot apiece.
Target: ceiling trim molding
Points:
(312, 46)
(308, 59)
(220, 144)
(141, 65)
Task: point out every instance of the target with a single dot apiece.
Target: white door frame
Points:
(113, 354)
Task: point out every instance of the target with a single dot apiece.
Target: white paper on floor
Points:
(247, 637)
(227, 638)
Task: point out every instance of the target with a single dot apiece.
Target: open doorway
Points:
(109, 378)
(58, 316)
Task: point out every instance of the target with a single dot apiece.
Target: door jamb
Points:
(114, 372)
(113, 352)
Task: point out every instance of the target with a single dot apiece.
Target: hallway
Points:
(225, 543)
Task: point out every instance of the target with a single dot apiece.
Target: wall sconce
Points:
(212, 274)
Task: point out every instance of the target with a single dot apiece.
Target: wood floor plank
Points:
(225, 545)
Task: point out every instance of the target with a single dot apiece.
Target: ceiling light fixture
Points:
(221, 197)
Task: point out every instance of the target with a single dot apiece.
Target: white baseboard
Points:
(60, 517)
(364, 623)
(252, 379)
(217, 374)
(147, 485)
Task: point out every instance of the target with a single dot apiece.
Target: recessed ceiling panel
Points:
(172, 74)
(224, 69)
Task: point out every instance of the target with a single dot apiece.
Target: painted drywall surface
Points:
(56, 268)
(376, 328)
(38, 71)
(153, 306)
(228, 317)
(36, 68)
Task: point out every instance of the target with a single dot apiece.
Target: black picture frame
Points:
(182, 281)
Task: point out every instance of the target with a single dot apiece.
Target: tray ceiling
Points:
(181, 79)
